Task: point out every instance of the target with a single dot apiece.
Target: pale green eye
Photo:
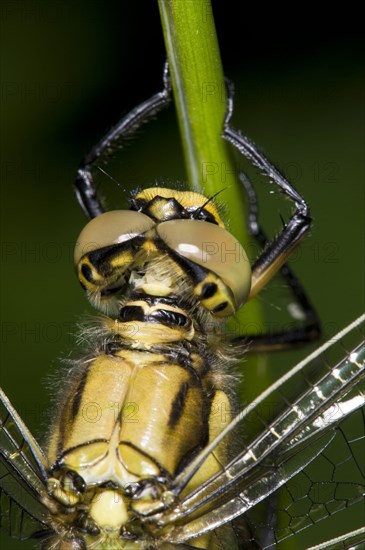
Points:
(216, 250)
(114, 227)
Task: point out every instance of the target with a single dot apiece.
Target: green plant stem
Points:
(200, 98)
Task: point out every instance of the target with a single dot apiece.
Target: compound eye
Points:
(114, 227)
(104, 253)
(227, 280)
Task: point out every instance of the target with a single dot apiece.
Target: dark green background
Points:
(69, 71)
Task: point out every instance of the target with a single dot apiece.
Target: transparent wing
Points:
(309, 407)
(23, 474)
(353, 539)
(332, 482)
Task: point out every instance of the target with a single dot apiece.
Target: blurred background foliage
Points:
(69, 70)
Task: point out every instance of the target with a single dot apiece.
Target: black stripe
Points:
(193, 270)
(177, 407)
(75, 406)
(87, 273)
(173, 300)
(220, 307)
(58, 464)
(163, 471)
(177, 211)
(208, 290)
(131, 313)
(154, 300)
(101, 258)
(169, 318)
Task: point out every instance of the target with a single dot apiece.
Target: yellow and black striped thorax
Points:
(169, 254)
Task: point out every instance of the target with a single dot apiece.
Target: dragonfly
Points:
(140, 454)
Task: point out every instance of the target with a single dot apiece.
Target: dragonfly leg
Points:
(84, 185)
(310, 329)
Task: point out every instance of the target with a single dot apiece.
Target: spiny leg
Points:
(310, 330)
(276, 252)
(126, 127)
